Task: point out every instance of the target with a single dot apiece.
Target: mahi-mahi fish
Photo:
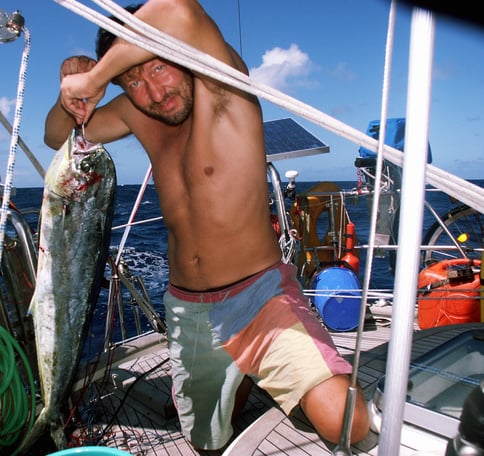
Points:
(75, 227)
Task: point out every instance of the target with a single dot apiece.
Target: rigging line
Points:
(7, 189)
(4, 121)
(130, 387)
(191, 58)
(343, 447)
(195, 60)
(172, 49)
(164, 45)
(240, 29)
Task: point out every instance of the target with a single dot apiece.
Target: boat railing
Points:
(139, 301)
(18, 274)
(18, 267)
(456, 233)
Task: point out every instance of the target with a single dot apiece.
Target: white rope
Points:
(7, 189)
(33, 159)
(162, 44)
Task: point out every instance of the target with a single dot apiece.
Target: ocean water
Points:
(145, 253)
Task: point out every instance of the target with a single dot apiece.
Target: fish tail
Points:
(44, 425)
(33, 436)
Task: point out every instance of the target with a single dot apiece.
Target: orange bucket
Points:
(449, 293)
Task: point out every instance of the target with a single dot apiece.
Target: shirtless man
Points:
(233, 310)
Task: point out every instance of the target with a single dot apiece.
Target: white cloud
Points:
(6, 105)
(342, 72)
(280, 67)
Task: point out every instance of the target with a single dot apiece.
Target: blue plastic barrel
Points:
(338, 298)
(91, 451)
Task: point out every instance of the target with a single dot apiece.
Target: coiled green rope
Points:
(15, 410)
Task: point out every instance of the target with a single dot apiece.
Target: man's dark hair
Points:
(105, 39)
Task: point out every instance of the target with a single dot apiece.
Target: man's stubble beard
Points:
(177, 117)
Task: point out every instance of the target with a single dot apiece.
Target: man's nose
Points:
(155, 90)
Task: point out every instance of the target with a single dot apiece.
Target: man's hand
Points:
(79, 92)
(76, 64)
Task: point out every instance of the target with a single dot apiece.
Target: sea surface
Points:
(145, 250)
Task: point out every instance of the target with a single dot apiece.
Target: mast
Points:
(411, 220)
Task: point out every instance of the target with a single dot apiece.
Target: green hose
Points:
(15, 410)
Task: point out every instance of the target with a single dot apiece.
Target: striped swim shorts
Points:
(262, 327)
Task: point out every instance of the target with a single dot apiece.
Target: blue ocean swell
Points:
(145, 253)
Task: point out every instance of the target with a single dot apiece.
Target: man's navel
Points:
(208, 170)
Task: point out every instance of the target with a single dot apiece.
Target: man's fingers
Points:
(76, 108)
(88, 110)
(78, 97)
(76, 64)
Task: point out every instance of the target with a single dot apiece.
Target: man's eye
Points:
(159, 68)
(135, 84)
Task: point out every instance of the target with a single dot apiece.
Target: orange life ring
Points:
(305, 214)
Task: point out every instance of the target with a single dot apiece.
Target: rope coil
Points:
(15, 411)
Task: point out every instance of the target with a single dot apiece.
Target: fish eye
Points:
(86, 165)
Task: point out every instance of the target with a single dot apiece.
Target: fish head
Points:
(79, 167)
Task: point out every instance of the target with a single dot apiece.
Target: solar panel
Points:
(285, 138)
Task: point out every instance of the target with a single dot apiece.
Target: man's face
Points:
(160, 90)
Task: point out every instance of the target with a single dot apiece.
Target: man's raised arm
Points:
(59, 122)
(182, 19)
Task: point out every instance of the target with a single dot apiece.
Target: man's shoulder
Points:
(119, 100)
(121, 106)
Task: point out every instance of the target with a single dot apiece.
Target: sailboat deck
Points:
(132, 408)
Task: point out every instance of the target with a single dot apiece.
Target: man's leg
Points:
(242, 395)
(324, 406)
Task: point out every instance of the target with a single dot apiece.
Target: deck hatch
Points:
(439, 382)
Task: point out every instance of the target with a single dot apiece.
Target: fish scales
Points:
(75, 227)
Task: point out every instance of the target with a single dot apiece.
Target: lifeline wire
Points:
(133, 214)
(159, 43)
(4, 121)
(14, 138)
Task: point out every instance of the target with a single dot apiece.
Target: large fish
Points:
(75, 226)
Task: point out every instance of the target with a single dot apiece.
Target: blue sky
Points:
(328, 54)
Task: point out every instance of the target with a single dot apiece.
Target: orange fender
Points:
(449, 293)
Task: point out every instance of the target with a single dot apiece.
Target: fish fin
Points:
(58, 436)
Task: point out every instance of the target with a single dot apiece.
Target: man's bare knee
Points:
(324, 406)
